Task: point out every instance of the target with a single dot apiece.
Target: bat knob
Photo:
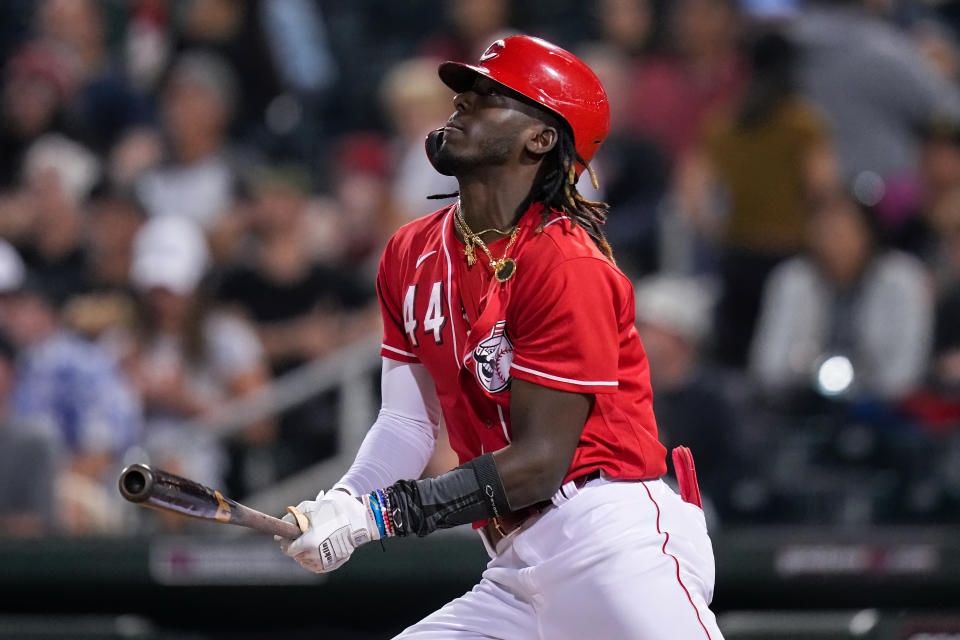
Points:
(135, 482)
(302, 521)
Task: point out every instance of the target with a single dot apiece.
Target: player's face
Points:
(491, 127)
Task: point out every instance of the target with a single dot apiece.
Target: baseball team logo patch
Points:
(492, 359)
(492, 51)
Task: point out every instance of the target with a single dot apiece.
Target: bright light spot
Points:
(835, 375)
(864, 622)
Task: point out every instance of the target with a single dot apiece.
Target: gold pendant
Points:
(468, 251)
(505, 269)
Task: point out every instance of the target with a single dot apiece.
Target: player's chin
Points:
(446, 160)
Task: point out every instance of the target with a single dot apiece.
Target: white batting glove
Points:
(339, 523)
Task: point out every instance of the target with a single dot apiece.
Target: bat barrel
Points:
(159, 489)
(136, 482)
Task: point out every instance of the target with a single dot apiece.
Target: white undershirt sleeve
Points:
(400, 442)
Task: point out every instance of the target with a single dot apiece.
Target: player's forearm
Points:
(396, 447)
(402, 439)
(531, 474)
(547, 425)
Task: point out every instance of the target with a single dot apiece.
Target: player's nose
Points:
(463, 100)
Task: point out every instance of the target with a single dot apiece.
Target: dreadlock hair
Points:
(557, 190)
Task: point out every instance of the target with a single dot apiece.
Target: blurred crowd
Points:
(194, 195)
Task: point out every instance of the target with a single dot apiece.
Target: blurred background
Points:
(194, 195)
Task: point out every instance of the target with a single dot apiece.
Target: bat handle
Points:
(262, 522)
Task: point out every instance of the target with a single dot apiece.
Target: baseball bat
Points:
(165, 491)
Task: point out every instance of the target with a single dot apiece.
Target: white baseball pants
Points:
(614, 561)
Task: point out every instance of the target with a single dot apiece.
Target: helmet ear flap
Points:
(432, 146)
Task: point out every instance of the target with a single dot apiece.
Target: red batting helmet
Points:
(548, 75)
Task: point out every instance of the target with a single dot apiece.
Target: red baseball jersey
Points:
(565, 320)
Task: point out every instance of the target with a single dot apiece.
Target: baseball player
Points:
(505, 313)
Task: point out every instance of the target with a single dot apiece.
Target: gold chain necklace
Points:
(504, 268)
(472, 239)
(494, 230)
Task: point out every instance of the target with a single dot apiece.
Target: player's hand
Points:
(339, 523)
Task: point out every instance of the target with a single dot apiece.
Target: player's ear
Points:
(543, 138)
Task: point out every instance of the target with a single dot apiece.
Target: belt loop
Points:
(566, 492)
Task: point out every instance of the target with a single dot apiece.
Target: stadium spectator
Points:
(298, 121)
(113, 219)
(272, 47)
(937, 43)
(876, 90)
(186, 360)
(630, 27)
(417, 102)
(703, 74)
(301, 308)
(197, 181)
(945, 374)
(632, 167)
(59, 175)
(103, 105)
(847, 297)
(107, 310)
(927, 233)
(296, 301)
(632, 171)
(71, 392)
(27, 462)
(37, 83)
(743, 193)
(470, 26)
(67, 386)
(358, 215)
(943, 237)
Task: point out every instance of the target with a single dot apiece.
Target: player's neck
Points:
(493, 203)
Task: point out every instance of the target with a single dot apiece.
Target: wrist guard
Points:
(471, 492)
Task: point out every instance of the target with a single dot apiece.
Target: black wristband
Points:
(471, 492)
(485, 468)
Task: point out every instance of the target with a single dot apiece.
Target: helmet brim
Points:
(460, 77)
